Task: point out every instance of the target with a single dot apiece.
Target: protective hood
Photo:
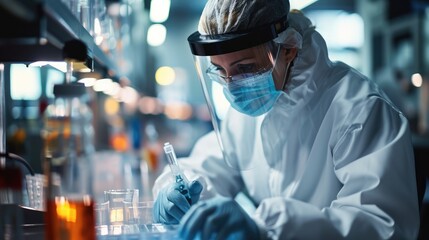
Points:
(309, 79)
(303, 86)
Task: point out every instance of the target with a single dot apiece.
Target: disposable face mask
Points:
(254, 95)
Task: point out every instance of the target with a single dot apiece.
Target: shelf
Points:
(36, 30)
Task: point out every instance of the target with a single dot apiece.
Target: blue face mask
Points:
(254, 95)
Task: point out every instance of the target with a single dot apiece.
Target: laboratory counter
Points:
(112, 171)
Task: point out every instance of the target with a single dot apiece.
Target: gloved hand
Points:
(171, 205)
(218, 218)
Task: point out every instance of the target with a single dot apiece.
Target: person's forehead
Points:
(250, 53)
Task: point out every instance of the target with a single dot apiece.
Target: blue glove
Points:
(171, 205)
(218, 218)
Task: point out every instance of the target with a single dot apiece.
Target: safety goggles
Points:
(218, 74)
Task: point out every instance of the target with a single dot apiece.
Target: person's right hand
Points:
(171, 205)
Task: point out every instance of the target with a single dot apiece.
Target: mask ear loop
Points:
(287, 74)
(279, 47)
(289, 66)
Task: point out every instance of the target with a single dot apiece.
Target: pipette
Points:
(178, 175)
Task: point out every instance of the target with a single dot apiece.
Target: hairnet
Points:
(225, 16)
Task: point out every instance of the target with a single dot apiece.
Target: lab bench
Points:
(34, 229)
(112, 170)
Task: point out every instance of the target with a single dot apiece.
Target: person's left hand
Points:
(218, 218)
(170, 205)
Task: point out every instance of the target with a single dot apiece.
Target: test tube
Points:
(178, 175)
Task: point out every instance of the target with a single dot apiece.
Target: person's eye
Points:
(218, 70)
(246, 68)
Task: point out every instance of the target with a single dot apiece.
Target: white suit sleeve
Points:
(374, 162)
(206, 164)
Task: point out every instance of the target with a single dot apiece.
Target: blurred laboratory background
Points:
(142, 87)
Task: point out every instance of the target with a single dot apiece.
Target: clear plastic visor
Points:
(218, 74)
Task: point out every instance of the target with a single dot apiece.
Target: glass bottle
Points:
(68, 165)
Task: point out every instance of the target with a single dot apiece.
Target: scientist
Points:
(314, 144)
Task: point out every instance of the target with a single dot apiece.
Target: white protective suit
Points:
(333, 158)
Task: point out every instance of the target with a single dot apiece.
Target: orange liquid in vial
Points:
(70, 219)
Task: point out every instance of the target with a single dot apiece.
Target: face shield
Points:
(241, 79)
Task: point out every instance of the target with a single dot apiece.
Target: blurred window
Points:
(343, 32)
(25, 82)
